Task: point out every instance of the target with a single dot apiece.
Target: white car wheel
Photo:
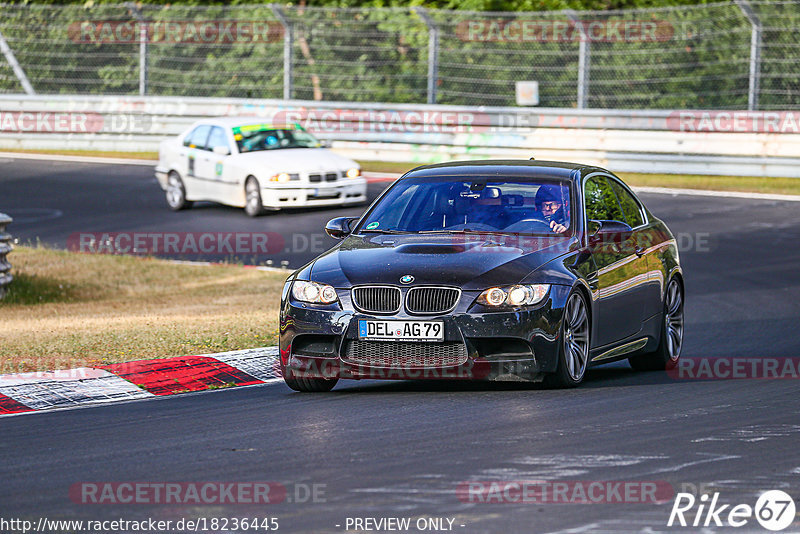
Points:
(253, 205)
(176, 193)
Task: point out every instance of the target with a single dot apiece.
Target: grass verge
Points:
(745, 184)
(86, 153)
(67, 310)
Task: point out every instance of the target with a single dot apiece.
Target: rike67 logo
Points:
(774, 510)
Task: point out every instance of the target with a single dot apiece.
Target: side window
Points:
(601, 203)
(197, 138)
(631, 209)
(217, 138)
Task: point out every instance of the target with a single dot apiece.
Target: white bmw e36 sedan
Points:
(246, 162)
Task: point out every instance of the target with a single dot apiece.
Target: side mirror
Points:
(222, 150)
(608, 232)
(339, 228)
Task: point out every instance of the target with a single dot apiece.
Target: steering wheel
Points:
(535, 226)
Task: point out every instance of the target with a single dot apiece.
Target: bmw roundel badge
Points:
(407, 279)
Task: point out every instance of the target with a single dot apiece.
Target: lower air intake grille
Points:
(405, 354)
(377, 299)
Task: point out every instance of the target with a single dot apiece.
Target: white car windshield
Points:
(258, 137)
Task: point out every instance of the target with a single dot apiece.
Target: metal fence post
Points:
(142, 47)
(584, 62)
(5, 248)
(755, 53)
(433, 52)
(15, 66)
(288, 39)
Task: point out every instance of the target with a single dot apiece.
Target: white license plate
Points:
(401, 330)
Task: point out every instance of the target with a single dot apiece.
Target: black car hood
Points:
(467, 261)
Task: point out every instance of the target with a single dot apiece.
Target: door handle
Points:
(639, 251)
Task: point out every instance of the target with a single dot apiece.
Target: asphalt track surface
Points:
(400, 449)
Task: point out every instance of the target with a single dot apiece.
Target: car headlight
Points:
(353, 173)
(313, 292)
(518, 295)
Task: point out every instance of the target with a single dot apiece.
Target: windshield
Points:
(257, 137)
(456, 205)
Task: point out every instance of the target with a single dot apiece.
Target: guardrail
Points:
(5, 248)
(654, 141)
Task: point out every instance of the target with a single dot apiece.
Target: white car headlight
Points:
(353, 173)
(313, 292)
(518, 295)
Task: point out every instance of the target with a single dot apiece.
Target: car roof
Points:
(505, 167)
(232, 122)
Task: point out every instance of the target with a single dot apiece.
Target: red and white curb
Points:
(38, 391)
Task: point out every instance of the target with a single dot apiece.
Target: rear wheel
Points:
(573, 352)
(669, 347)
(176, 193)
(253, 205)
(310, 385)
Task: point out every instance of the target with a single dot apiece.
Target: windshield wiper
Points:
(464, 231)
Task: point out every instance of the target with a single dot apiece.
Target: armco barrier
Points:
(5, 248)
(653, 141)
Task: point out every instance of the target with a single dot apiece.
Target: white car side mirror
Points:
(222, 150)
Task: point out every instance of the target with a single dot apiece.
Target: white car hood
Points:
(297, 160)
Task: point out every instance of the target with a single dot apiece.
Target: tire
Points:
(253, 206)
(573, 346)
(310, 385)
(668, 353)
(176, 193)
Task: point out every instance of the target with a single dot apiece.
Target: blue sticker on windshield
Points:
(272, 140)
(373, 225)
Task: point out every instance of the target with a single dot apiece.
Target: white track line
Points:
(723, 194)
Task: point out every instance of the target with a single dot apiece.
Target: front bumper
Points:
(161, 175)
(343, 191)
(513, 345)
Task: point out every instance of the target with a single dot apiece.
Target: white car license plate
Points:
(401, 330)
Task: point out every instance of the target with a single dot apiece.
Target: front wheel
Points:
(573, 349)
(669, 347)
(253, 205)
(310, 385)
(176, 193)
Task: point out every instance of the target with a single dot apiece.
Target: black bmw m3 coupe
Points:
(490, 270)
